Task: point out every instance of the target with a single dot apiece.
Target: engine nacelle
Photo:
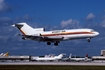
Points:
(39, 29)
(37, 34)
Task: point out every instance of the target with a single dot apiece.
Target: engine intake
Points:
(37, 34)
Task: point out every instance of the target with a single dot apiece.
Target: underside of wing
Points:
(53, 38)
(44, 38)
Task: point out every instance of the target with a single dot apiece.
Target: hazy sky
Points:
(52, 14)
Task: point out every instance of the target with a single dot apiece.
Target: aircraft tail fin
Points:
(86, 56)
(6, 54)
(28, 30)
(1, 54)
(24, 28)
(70, 55)
(60, 56)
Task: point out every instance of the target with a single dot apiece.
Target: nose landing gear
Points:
(88, 39)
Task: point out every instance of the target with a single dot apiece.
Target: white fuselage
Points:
(45, 58)
(78, 59)
(70, 34)
(51, 58)
(55, 36)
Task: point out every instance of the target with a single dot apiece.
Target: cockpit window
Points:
(92, 31)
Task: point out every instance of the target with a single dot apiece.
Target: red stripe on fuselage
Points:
(67, 33)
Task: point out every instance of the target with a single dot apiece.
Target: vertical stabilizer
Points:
(24, 28)
(86, 56)
(6, 54)
(60, 56)
(70, 55)
(1, 54)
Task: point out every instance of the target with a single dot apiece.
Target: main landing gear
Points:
(56, 43)
(88, 39)
(48, 43)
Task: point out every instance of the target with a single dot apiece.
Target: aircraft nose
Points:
(96, 33)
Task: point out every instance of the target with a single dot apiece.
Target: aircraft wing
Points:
(44, 38)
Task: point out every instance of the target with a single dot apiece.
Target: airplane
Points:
(49, 58)
(4, 54)
(80, 59)
(54, 36)
(1, 54)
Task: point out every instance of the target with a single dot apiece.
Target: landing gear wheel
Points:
(48, 43)
(56, 44)
(23, 38)
(88, 39)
